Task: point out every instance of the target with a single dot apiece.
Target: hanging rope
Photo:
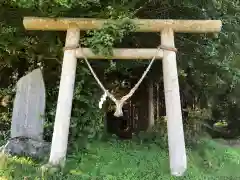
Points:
(120, 102)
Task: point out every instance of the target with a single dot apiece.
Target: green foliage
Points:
(127, 160)
(209, 80)
(87, 119)
(209, 64)
(5, 112)
(156, 135)
(51, 5)
(195, 125)
(194, 129)
(102, 41)
(222, 158)
(44, 51)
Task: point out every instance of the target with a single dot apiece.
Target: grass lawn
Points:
(114, 160)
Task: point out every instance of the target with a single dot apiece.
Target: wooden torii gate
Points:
(167, 28)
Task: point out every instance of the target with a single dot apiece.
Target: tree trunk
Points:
(150, 105)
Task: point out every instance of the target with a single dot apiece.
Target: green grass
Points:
(131, 161)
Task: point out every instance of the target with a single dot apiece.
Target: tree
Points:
(208, 65)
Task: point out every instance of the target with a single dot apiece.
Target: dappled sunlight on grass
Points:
(3, 178)
(22, 160)
(75, 172)
(128, 160)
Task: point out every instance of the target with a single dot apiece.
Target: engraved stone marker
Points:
(29, 107)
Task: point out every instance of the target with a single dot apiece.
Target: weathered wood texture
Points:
(122, 53)
(144, 25)
(64, 105)
(176, 142)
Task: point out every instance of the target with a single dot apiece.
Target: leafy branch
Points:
(102, 41)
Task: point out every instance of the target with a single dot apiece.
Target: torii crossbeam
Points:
(167, 28)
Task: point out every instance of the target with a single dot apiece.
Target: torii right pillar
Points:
(176, 142)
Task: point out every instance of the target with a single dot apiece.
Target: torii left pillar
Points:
(64, 104)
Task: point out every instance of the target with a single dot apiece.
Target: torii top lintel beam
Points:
(143, 25)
